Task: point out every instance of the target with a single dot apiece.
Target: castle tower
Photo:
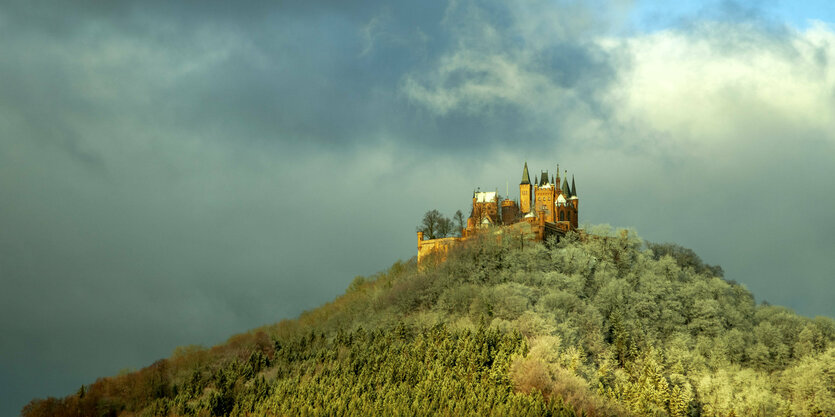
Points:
(575, 204)
(525, 191)
(562, 201)
(565, 190)
(544, 195)
(510, 212)
(574, 199)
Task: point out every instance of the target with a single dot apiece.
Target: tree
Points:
(434, 225)
(458, 218)
(684, 257)
(429, 223)
(445, 227)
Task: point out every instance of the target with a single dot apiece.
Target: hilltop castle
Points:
(544, 209)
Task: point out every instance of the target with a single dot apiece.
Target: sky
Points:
(173, 173)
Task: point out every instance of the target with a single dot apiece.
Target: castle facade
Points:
(545, 208)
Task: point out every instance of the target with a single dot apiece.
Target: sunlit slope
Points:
(601, 325)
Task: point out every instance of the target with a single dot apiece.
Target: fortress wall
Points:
(435, 246)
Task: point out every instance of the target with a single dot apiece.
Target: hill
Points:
(601, 325)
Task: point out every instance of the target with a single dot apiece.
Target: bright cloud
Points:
(723, 82)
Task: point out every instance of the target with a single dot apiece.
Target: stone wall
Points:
(435, 247)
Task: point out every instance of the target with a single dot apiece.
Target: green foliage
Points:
(407, 371)
(685, 257)
(597, 325)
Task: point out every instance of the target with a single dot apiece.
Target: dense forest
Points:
(596, 325)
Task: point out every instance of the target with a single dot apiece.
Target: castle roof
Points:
(565, 189)
(485, 196)
(573, 188)
(561, 199)
(526, 179)
(543, 179)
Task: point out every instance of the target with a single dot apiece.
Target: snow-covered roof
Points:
(485, 196)
(529, 215)
(561, 199)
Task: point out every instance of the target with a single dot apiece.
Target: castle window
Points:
(562, 215)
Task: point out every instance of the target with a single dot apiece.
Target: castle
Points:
(544, 209)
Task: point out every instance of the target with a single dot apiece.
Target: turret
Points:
(510, 211)
(573, 187)
(575, 202)
(565, 190)
(525, 192)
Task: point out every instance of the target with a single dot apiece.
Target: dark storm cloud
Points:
(262, 72)
(241, 75)
(175, 172)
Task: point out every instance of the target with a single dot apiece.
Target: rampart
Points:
(436, 247)
(532, 230)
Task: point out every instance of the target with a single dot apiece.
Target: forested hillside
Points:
(596, 326)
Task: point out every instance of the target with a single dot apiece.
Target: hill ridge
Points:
(601, 326)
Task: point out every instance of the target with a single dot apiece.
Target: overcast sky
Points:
(173, 173)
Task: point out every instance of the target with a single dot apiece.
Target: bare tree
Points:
(445, 227)
(429, 224)
(458, 218)
(434, 225)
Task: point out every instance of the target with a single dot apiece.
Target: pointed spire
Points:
(573, 187)
(565, 190)
(526, 179)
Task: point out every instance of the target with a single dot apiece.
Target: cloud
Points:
(174, 174)
(529, 65)
(726, 133)
(724, 82)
